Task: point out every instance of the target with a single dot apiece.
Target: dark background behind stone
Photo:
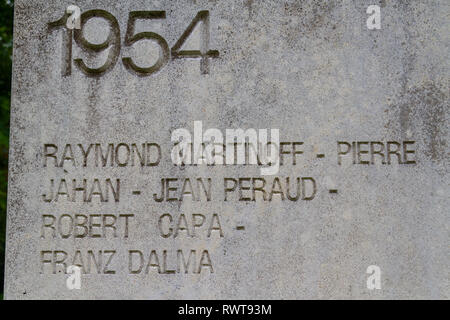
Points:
(6, 31)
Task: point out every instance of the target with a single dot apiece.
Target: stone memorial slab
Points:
(237, 149)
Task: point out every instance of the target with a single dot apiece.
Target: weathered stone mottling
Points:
(310, 68)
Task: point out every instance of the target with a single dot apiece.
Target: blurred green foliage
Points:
(6, 33)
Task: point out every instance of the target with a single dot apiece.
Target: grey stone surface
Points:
(309, 68)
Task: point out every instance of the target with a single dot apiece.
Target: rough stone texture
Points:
(311, 69)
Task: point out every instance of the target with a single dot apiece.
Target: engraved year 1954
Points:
(113, 43)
